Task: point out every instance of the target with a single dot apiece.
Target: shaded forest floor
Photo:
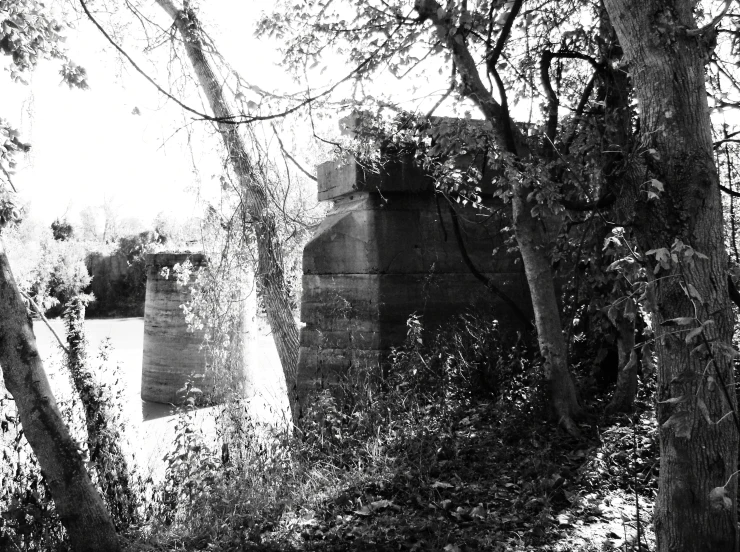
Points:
(478, 478)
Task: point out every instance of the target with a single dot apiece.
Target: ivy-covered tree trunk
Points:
(77, 502)
(696, 508)
(614, 92)
(103, 438)
(270, 268)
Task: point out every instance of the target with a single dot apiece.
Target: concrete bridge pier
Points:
(386, 250)
(173, 355)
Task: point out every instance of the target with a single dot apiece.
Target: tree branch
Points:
(46, 321)
(492, 60)
(446, 94)
(10, 180)
(551, 126)
(242, 119)
(139, 69)
(505, 32)
(713, 23)
(728, 191)
(569, 54)
(289, 156)
(727, 140)
(473, 86)
(578, 112)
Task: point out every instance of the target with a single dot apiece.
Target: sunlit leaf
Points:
(680, 321)
(718, 499)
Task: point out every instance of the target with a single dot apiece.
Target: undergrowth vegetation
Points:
(447, 446)
(29, 520)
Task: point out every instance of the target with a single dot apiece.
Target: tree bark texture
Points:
(532, 245)
(270, 273)
(624, 394)
(697, 454)
(103, 438)
(77, 502)
(531, 237)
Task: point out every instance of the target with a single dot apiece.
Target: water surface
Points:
(149, 426)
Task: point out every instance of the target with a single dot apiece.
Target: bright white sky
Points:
(87, 146)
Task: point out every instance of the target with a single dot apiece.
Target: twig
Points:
(10, 180)
(289, 156)
(730, 478)
(140, 70)
(444, 96)
(46, 321)
(236, 120)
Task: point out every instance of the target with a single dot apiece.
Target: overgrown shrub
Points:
(253, 483)
(428, 382)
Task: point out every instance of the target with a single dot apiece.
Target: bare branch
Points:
(289, 156)
(569, 54)
(553, 100)
(446, 94)
(504, 35)
(725, 141)
(713, 23)
(242, 119)
(472, 85)
(578, 112)
(729, 192)
(46, 321)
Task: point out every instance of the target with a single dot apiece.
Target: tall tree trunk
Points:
(530, 235)
(270, 273)
(80, 507)
(533, 247)
(103, 438)
(626, 389)
(696, 506)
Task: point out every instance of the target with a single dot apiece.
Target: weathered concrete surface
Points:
(387, 250)
(172, 354)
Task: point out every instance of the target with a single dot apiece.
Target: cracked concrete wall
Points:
(386, 250)
(172, 353)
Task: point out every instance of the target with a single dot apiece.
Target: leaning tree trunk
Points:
(531, 238)
(77, 502)
(696, 505)
(270, 273)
